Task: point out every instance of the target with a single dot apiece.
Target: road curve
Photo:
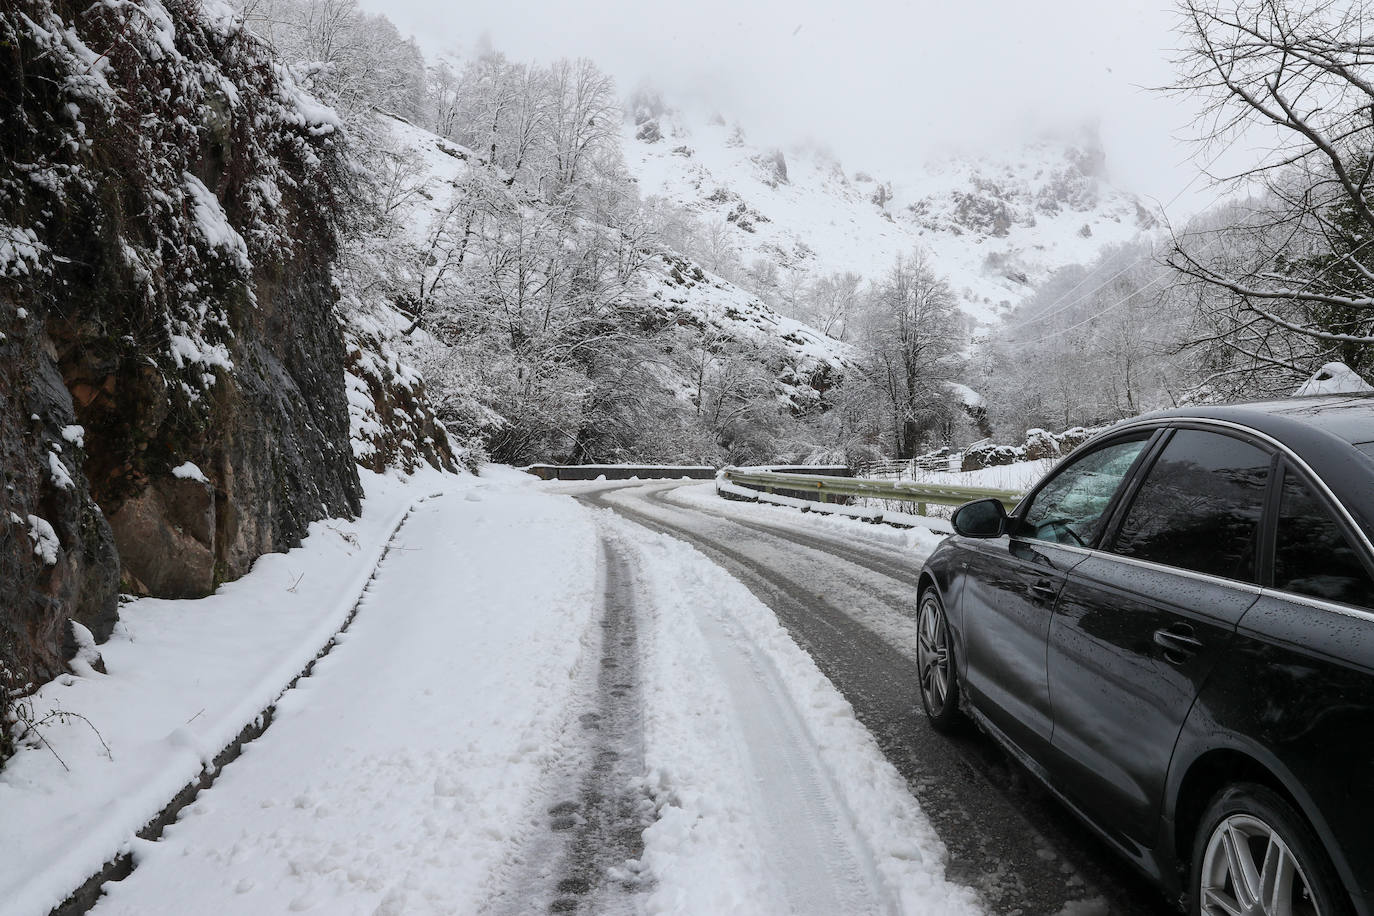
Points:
(849, 605)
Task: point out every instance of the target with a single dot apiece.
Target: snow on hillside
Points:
(680, 297)
(805, 361)
(995, 227)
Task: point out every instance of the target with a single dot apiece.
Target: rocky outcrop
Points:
(172, 399)
(1039, 444)
(392, 423)
(57, 555)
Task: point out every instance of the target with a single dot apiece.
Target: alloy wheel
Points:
(932, 654)
(1248, 870)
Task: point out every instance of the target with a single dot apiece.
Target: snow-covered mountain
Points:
(686, 306)
(994, 225)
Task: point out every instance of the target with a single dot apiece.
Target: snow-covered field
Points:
(420, 766)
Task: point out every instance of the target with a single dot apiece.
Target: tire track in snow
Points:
(597, 811)
(810, 840)
(1021, 850)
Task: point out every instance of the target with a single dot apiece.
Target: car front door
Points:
(1139, 626)
(1011, 584)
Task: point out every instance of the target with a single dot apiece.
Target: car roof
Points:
(1312, 420)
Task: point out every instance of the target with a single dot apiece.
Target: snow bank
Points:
(405, 774)
(923, 534)
(184, 679)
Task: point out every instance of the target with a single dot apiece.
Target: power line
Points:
(1129, 267)
(1127, 298)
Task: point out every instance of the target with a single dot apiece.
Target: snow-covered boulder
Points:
(1333, 378)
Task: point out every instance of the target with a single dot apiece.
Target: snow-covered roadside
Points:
(752, 820)
(703, 496)
(406, 773)
(184, 678)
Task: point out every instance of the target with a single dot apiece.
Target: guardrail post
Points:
(921, 509)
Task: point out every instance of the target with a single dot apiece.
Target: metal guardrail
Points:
(844, 488)
(900, 467)
(619, 471)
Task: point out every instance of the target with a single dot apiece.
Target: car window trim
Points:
(1269, 524)
(1107, 440)
(1250, 588)
(1239, 433)
(1321, 604)
(1343, 514)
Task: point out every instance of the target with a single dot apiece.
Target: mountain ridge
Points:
(995, 224)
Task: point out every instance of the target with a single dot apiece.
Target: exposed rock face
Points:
(393, 425)
(57, 555)
(166, 537)
(166, 235)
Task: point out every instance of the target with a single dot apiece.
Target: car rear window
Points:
(1199, 507)
(1312, 555)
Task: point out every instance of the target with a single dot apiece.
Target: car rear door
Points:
(1139, 625)
(1012, 582)
(1299, 680)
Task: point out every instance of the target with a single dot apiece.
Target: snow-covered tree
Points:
(912, 335)
(1296, 274)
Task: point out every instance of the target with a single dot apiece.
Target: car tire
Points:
(1252, 831)
(939, 676)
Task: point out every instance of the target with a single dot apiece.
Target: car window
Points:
(1199, 506)
(1069, 508)
(1312, 555)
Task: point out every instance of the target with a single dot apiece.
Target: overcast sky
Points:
(881, 83)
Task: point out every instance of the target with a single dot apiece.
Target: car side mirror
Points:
(982, 518)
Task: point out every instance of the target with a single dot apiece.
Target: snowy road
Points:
(543, 707)
(848, 603)
(552, 698)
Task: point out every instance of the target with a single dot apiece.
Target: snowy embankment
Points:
(185, 678)
(922, 535)
(402, 776)
(771, 796)
(1021, 475)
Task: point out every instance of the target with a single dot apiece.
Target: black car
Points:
(1174, 630)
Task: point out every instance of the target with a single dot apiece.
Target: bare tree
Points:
(585, 119)
(830, 302)
(1297, 274)
(912, 334)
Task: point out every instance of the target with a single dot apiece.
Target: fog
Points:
(884, 85)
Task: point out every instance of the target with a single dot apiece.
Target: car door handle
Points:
(1178, 641)
(1044, 589)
